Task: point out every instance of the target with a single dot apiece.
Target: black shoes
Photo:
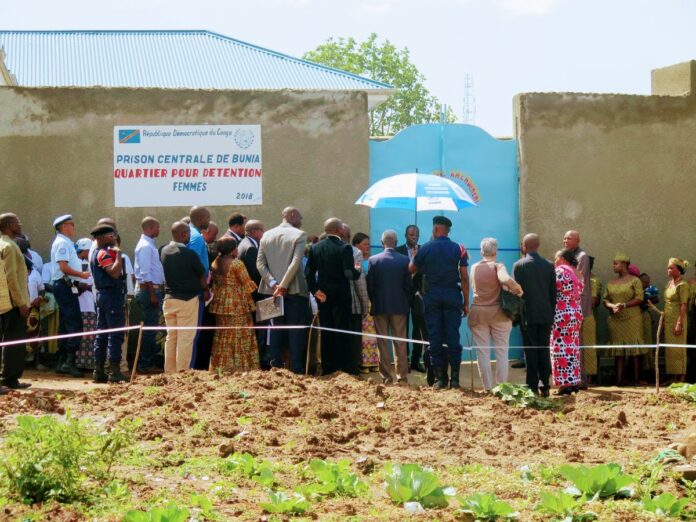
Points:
(68, 367)
(114, 374)
(518, 364)
(454, 376)
(14, 384)
(418, 367)
(99, 376)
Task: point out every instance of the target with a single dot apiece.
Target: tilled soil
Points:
(279, 415)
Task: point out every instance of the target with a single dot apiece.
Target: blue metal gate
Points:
(486, 167)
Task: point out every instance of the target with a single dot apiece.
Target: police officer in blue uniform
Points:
(67, 271)
(443, 264)
(110, 281)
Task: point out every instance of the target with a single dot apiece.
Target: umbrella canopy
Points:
(416, 192)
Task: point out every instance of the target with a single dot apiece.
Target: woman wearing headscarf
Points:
(676, 303)
(565, 334)
(622, 297)
(234, 349)
(486, 318)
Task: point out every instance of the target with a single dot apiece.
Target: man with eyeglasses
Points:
(67, 271)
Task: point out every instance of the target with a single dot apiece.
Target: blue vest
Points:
(103, 282)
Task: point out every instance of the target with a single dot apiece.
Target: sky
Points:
(507, 46)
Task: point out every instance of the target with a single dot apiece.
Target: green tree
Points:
(412, 104)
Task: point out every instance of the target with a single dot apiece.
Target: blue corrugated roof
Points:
(168, 59)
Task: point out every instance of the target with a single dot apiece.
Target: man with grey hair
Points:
(537, 278)
(389, 288)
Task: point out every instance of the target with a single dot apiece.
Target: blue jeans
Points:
(296, 313)
(70, 318)
(443, 317)
(111, 313)
(151, 317)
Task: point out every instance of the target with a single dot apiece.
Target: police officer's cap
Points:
(100, 230)
(83, 244)
(62, 219)
(442, 220)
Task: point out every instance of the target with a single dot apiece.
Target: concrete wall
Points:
(620, 169)
(56, 153)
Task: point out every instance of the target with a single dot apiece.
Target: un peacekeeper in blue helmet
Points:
(444, 266)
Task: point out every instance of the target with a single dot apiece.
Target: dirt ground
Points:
(280, 416)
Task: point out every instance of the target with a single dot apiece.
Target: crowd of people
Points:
(409, 294)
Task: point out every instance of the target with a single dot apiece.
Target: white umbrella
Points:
(416, 192)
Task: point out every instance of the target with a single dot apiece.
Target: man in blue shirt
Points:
(443, 264)
(200, 219)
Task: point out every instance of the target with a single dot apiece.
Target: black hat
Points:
(442, 220)
(100, 230)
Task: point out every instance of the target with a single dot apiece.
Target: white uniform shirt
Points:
(36, 259)
(87, 299)
(47, 273)
(63, 249)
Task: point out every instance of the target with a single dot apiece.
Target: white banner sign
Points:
(168, 165)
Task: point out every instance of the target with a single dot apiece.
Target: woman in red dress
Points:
(565, 334)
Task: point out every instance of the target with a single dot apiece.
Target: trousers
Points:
(394, 325)
(537, 356)
(178, 348)
(499, 332)
(296, 308)
(13, 327)
(69, 317)
(151, 317)
(443, 317)
(111, 313)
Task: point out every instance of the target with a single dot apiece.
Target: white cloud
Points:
(528, 7)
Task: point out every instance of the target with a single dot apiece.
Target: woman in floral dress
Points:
(369, 354)
(234, 349)
(565, 334)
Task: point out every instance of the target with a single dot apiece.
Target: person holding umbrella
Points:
(444, 267)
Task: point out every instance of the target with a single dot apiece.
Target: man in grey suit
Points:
(389, 288)
(537, 277)
(247, 252)
(279, 262)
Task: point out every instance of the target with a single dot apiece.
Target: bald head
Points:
(150, 226)
(333, 226)
(210, 233)
(530, 243)
(200, 217)
(181, 233)
(571, 240)
(292, 216)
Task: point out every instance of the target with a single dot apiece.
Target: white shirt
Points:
(47, 273)
(148, 266)
(35, 284)
(130, 285)
(36, 259)
(87, 299)
(63, 249)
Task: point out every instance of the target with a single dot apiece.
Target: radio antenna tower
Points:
(469, 109)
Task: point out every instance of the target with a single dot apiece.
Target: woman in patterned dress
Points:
(622, 297)
(369, 358)
(676, 303)
(565, 334)
(234, 349)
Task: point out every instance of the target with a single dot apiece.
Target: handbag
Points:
(512, 305)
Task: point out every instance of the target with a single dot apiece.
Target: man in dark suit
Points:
(537, 278)
(330, 268)
(419, 333)
(389, 288)
(248, 252)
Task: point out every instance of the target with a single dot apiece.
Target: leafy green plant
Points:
(485, 507)
(245, 464)
(203, 508)
(684, 390)
(169, 513)
(521, 396)
(666, 505)
(604, 480)
(564, 507)
(335, 479)
(282, 503)
(411, 483)
(46, 458)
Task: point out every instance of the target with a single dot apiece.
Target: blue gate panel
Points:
(483, 165)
